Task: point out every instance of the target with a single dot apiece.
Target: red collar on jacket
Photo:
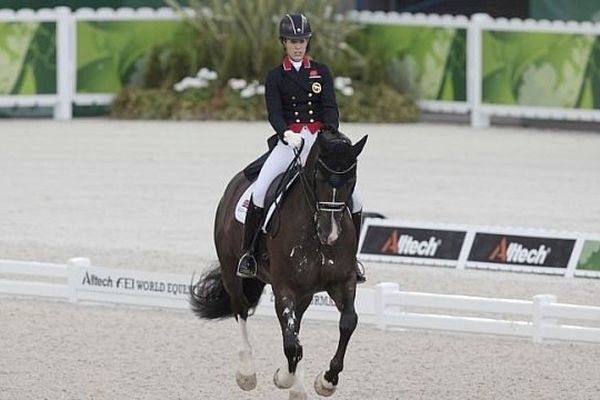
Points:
(287, 63)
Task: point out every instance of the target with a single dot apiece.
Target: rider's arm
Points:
(331, 116)
(274, 102)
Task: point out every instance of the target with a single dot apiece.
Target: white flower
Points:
(249, 91)
(189, 82)
(237, 84)
(207, 74)
(341, 82)
(348, 91)
(252, 89)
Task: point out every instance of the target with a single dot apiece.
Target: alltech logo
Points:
(516, 253)
(407, 245)
(412, 242)
(521, 250)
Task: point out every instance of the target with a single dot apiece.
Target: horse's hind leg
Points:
(245, 375)
(291, 376)
(343, 295)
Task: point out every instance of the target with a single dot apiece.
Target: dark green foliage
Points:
(376, 103)
(239, 39)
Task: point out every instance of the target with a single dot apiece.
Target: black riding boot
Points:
(360, 268)
(247, 265)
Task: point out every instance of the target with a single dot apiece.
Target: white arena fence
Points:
(386, 306)
(480, 113)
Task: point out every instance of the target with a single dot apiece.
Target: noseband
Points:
(334, 178)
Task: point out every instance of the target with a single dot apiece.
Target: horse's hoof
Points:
(245, 382)
(322, 387)
(285, 383)
(298, 395)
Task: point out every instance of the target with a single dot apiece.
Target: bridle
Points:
(310, 192)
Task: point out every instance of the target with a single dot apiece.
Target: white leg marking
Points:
(282, 378)
(246, 372)
(323, 387)
(298, 391)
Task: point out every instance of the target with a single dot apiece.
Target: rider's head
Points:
(295, 33)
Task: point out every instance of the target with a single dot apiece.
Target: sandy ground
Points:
(142, 195)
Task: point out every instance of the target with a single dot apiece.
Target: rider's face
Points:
(295, 48)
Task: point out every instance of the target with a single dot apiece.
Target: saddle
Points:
(275, 194)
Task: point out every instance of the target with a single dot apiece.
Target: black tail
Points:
(210, 300)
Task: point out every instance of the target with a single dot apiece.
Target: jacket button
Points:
(295, 112)
(310, 95)
(310, 103)
(311, 120)
(294, 105)
(310, 112)
(293, 97)
(297, 121)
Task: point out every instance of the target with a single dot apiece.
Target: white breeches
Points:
(277, 162)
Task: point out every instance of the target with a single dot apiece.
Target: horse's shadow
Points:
(310, 248)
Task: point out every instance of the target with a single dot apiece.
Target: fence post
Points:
(65, 63)
(475, 68)
(381, 290)
(539, 302)
(74, 265)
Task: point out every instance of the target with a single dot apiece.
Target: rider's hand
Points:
(292, 139)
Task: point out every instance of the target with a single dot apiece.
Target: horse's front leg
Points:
(245, 375)
(343, 296)
(291, 376)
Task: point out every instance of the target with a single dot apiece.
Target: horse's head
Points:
(334, 181)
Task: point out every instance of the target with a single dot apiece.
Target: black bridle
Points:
(310, 192)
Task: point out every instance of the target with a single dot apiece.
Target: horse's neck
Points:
(311, 161)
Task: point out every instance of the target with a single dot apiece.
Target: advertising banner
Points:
(520, 252)
(111, 54)
(396, 242)
(117, 285)
(541, 69)
(27, 58)
(322, 307)
(429, 63)
(589, 260)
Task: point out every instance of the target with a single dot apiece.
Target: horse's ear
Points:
(358, 147)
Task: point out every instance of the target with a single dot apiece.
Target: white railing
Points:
(386, 305)
(480, 112)
(536, 318)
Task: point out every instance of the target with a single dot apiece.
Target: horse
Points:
(311, 247)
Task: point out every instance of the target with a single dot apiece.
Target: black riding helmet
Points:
(294, 26)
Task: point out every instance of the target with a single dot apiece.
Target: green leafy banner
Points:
(541, 69)
(590, 256)
(427, 62)
(27, 58)
(110, 54)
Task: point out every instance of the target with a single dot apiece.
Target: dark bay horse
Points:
(310, 247)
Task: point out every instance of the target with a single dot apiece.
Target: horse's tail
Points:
(210, 300)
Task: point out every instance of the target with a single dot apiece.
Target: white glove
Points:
(292, 139)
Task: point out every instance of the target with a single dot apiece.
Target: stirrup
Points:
(360, 272)
(247, 266)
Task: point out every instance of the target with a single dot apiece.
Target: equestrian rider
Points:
(300, 101)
